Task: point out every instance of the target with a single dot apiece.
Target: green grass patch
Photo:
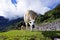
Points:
(28, 35)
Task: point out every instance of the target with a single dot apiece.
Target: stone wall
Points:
(49, 26)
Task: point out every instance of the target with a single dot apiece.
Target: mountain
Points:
(4, 23)
(50, 15)
(57, 8)
(55, 13)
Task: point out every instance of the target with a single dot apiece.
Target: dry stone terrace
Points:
(53, 26)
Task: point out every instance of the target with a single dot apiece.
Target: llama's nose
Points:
(33, 26)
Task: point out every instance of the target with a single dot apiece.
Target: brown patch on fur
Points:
(33, 14)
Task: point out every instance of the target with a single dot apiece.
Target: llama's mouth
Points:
(33, 26)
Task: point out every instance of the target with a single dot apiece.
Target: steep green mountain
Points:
(53, 14)
(50, 15)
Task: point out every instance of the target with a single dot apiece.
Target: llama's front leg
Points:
(31, 28)
(26, 26)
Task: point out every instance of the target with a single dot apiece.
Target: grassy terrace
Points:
(28, 35)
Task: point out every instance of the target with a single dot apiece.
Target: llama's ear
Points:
(36, 16)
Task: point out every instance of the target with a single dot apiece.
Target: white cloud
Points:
(8, 10)
(35, 5)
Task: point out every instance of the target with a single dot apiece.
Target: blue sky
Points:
(51, 3)
(16, 8)
(14, 2)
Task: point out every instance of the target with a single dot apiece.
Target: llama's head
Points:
(32, 23)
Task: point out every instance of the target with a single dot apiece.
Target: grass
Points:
(28, 35)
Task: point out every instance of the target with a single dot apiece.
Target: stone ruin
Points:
(53, 26)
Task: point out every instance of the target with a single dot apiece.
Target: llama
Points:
(29, 18)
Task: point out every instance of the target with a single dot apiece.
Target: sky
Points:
(13, 9)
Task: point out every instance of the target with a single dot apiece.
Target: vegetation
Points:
(21, 35)
(28, 35)
(49, 16)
